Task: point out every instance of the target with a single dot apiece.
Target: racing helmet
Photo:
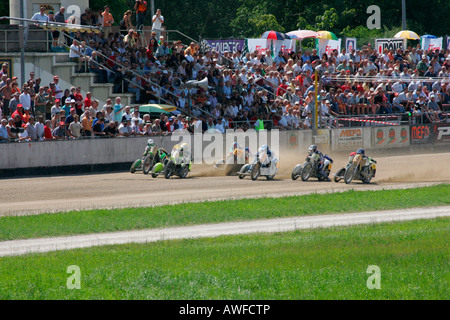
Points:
(184, 146)
(150, 143)
(264, 148)
(360, 151)
(312, 148)
(236, 146)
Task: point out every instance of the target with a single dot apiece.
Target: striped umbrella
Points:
(302, 34)
(326, 35)
(407, 34)
(273, 35)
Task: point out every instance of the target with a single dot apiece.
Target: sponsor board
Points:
(350, 137)
(327, 46)
(442, 133)
(431, 44)
(274, 46)
(292, 140)
(390, 44)
(386, 137)
(421, 134)
(350, 44)
(220, 46)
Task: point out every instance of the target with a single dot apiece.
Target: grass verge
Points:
(94, 221)
(310, 264)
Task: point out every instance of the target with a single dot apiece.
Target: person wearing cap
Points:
(125, 127)
(59, 133)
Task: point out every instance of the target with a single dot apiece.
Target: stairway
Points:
(66, 70)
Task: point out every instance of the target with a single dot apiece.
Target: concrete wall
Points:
(89, 152)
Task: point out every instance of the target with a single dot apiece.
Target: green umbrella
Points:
(157, 108)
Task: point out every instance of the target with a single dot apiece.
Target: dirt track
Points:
(60, 193)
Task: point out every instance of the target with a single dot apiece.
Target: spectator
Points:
(157, 21)
(110, 129)
(59, 133)
(40, 16)
(75, 128)
(140, 7)
(108, 21)
(4, 137)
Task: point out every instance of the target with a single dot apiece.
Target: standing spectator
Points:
(40, 128)
(25, 99)
(157, 20)
(75, 128)
(59, 18)
(141, 9)
(40, 102)
(86, 124)
(58, 91)
(59, 132)
(118, 110)
(125, 23)
(40, 16)
(48, 130)
(108, 21)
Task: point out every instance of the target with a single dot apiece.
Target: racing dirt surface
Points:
(36, 195)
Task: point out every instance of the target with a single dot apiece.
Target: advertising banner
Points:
(431, 44)
(220, 46)
(351, 137)
(350, 44)
(390, 44)
(275, 46)
(442, 133)
(327, 46)
(394, 136)
(447, 41)
(421, 133)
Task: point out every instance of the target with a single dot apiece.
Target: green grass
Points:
(82, 222)
(413, 258)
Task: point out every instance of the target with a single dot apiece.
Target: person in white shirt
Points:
(157, 20)
(25, 99)
(220, 125)
(40, 128)
(40, 16)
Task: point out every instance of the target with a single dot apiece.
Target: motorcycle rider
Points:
(362, 164)
(319, 164)
(150, 145)
(270, 154)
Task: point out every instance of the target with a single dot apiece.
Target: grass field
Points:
(82, 222)
(330, 263)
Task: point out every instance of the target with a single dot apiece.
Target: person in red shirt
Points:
(18, 111)
(88, 101)
(48, 130)
(78, 101)
(282, 88)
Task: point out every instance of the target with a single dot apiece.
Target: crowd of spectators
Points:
(252, 90)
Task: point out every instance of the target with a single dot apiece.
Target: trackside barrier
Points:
(108, 151)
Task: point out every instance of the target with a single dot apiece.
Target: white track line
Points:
(20, 247)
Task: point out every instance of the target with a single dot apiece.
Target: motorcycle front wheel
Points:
(168, 169)
(349, 174)
(148, 164)
(306, 172)
(255, 171)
